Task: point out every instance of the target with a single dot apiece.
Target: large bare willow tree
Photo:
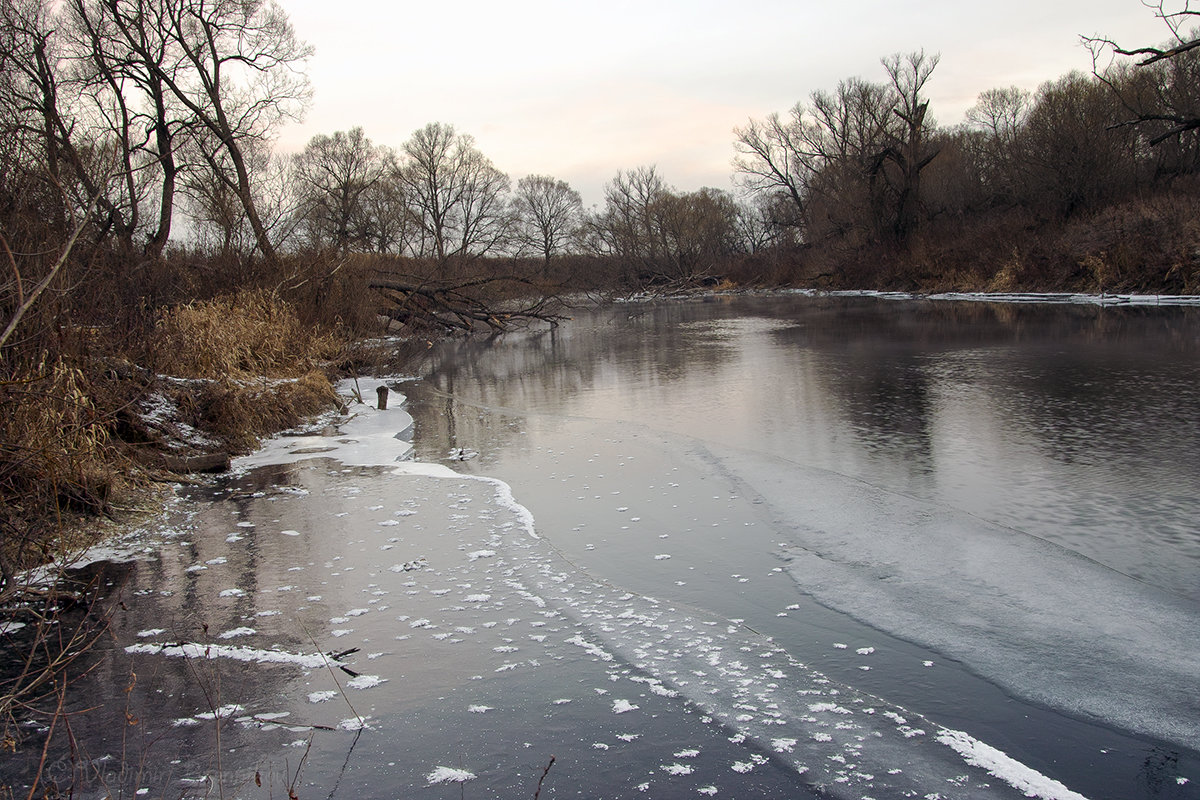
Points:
(851, 160)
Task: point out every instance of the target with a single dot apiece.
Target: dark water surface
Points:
(754, 547)
(1013, 487)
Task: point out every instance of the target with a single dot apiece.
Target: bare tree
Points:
(456, 196)
(236, 71)
(775, 156)
(1169, 105)
(336, 175)
(625, 228)
(1182, 39)
(819, 157)
(697, 231)
(40, 113)
(117, 51)
(1073, 151)
(658, 235)
(392, 227)
(547, 213)
(908, 150)
(757, 222)
(995, 121)
(215, 210)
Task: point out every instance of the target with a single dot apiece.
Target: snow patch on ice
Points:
(1028, 781)
(365, 681)
(449, 775)
(212, 651)
(233, 633)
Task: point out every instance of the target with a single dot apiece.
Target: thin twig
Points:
(545, 772)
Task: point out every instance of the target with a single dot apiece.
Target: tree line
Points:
(866, 162)
(129, 126)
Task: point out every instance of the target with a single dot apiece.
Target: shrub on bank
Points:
(246, 333)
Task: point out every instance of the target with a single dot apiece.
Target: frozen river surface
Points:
(751, 547)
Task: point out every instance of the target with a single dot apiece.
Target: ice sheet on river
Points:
(1041, 620)
(849, 742)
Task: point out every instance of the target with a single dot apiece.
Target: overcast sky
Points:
(580, 89)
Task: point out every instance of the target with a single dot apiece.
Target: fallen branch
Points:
(456, 305)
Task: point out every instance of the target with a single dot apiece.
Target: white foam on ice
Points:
(372, 438)
(1028, 781)
(449, 775)
(1072, 298)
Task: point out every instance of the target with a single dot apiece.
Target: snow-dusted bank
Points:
(1040, 298)
(1073, 298)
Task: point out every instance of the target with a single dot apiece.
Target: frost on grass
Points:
(449, 775)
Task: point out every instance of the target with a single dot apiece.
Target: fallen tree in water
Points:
(497, 302)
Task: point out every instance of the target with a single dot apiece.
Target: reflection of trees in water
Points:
(881, 371)
(109, 750)
(545, 370)
(1057, 374)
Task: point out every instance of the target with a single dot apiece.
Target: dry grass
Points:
(250, 333)
(241, 412)
(57, 458)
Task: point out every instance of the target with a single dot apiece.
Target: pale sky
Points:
(580, 90)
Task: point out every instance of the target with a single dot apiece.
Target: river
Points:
(777, 546)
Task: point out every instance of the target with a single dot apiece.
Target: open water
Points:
(745, 547)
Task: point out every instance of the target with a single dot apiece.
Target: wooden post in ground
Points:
(382, 391)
